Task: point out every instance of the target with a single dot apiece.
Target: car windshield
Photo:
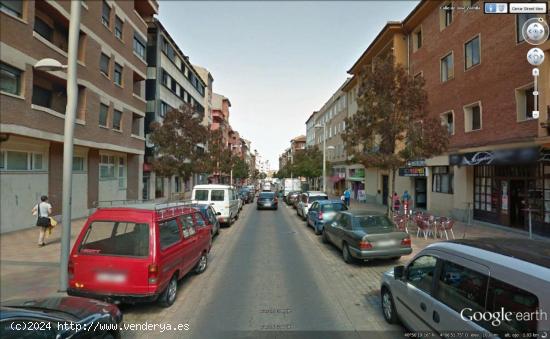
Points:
(335, 207)
(267, 195)
(119, 238)
(317, 198)
(373, 221)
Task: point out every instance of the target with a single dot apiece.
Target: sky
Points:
(277, 61)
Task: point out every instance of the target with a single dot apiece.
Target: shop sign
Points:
(500, 157)
(416, 163)
(412, 172)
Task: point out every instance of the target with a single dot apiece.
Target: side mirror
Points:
(398, 272)
(219, 213)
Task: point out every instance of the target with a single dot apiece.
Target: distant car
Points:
(448, 284)
(306, 200)
(267, 200)
(366, 235)
(245, 195)
(209, 213)
(59, 317)
(322, 211)
(291, 197)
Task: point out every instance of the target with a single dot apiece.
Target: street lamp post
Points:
(70, 115)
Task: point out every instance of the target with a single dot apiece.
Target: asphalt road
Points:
(269, 276)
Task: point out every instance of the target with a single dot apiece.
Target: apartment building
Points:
(207, 78)
(172, 81)
(220, 121)
(480, 84)
(108, 137)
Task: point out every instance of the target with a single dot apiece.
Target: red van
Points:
(138, 252)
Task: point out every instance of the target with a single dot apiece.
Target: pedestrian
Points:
(406, 199)
(43, 210)
(347, 197)
(396, 202)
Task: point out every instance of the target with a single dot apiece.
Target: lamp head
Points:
(49, 64)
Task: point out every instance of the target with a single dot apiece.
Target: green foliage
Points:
(240, 168)
(176, 141)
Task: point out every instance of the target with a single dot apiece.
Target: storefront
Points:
(416, 171)
(506, 183)
(357, 179)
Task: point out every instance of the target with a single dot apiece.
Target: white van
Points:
(223, 198)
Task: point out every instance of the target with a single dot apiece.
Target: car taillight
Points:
(365, 245)
(406, 242)
(70, 269)
(320, 215)
(152, 272)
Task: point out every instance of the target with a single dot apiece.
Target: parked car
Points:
(292, 197)
(322, 211)
(366, 235)
(59, 317)
(267, 200)
(138, 252)
(447, 283)
(244, 194)
(209, 214)
(251, 195)
(223, 198)
(306, 200)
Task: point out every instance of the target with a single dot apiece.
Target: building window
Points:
(21, 161)
(137, 121)
(486, 191)
(104, 62)
(525, 103)
(472, 53)
(168, 50)
(117, 117)
(447, 120)
(417, 39)
(118, 74)
(445, 15)
(520, 21)
(106, 14)
(159, 187)
(41, 96)
(10, 79)
(103, 115)
(13, 7)
(107, 167)
(442, 179)
(78, 164)
(139, 46)
(447, 67)
(121, 173)
(118, 27)
(43, 29)
(164, 108)
(472, 117)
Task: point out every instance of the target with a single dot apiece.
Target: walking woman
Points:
(43, 210)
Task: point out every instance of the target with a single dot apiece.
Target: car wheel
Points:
(346, 254)
(168, 296)
(324, 237)
(388, 307)
(202, 264)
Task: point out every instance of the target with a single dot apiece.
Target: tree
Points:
(307, 163)
(240, 168)
(392, 125)
(176, 140)
(219, 158)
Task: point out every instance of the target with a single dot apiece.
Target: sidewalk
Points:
(461, 229)
(27, 270)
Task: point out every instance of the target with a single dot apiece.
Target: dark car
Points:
(244, 194)
(267, 200)
(322, 211)
(59, 317)
(210, 215)
(291, 197)
(366, 235)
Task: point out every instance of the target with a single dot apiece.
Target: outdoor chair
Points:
(422, 226)
(446, 225)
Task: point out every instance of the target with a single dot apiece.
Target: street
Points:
(269, 272)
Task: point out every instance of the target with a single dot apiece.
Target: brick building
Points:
(109, 142)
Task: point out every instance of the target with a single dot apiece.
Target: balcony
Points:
(138, 86)
(49, 95)
(146, 8)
